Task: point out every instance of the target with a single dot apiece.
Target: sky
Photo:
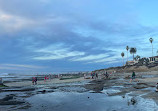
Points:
(74, 35)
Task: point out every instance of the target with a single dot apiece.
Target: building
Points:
(131, 62)
(153, 59)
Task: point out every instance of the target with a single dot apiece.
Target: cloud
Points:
(109, 59)
(23, 66)
(123, 30)
(57, 51)
(11, 23)
(67, 32)
(90, 57)
(20, 67)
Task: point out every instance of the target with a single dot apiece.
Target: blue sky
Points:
(74, 35)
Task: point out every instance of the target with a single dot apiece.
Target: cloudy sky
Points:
(74, 35)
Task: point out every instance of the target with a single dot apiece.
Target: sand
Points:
(41, 82)
(151, 80)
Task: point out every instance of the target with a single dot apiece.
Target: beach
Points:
(42, 82)
(116, 93)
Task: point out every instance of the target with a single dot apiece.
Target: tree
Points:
(144, 61)
(137, 57)
(122, 54)
(127, 48)
(151, 40)
(133, 51)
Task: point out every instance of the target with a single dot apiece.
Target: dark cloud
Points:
(127, 30)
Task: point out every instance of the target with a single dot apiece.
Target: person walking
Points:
(157, 87)
(35, 80)
(92, 74)
(107, 75)
(96, 74)
(45, 78)
(133, 77)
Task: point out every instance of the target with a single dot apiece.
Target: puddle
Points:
(73, 101)
(73, 89)
(110, 91)
(117, 86)
(74, 97)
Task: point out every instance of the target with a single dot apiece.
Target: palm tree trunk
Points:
(127, 56)
(133, 57)
(152, 50)
(122, 60)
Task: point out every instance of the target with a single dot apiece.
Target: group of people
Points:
(106, 75)
(34, 80)
(46, 78)
(94, 75)
(50, 77)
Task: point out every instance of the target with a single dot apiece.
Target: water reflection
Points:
(74, 101)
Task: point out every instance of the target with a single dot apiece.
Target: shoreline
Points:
(42, 82)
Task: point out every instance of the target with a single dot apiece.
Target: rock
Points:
(94, 87)
(133, 101)
(51, 91)
(123, 96)
(19, 89)
(140, 86)
(11, 102)
(141, 83)
(8, 97)
(127, 77)
(53, 87)
(43, 91)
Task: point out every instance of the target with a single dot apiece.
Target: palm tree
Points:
(137, 57)
(151, 40)
(133, 51)
(122, 54)
(127, 48)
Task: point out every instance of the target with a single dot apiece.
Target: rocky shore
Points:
(17, 97)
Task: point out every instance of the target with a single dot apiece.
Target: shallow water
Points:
(74, 101)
